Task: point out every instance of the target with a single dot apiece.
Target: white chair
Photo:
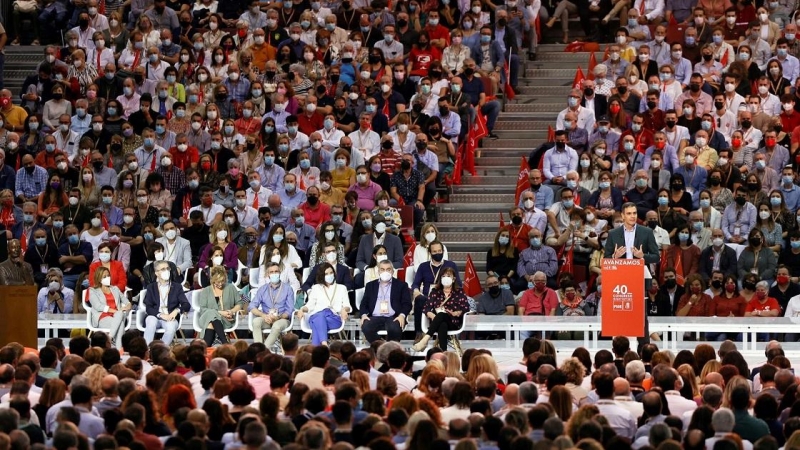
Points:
(196, 317)
(359, 298)
(410, 274)
(141, 316)
(251, 316)
(306, 272)
(238, 278)
(452, 334)
(307, 328)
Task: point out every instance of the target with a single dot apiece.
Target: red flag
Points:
(508, 90)
(566, 263)
(472, 285)
(551, 134)
(302, 184)
(502, 221)
(476, 133)
(578, 80)
(681, 280)
(605, 55)
(408, 259)
(724, 62)
(592, 63)
(537, 25)
(522, 179)
(460, 152)
(480, 126)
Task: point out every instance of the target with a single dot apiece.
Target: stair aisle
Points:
(470, 220)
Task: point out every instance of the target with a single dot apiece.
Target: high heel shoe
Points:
(422, 344)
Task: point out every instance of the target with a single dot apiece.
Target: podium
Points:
(622, 301)
(20, 316)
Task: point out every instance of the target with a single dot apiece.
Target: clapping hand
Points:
(619, 250)
(638, 252)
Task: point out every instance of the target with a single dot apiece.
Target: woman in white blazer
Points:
(327, 305)
(108, 305)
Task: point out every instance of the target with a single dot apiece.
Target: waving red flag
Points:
(472, 285)
(592, 63)
(578, 80)
(522, 179)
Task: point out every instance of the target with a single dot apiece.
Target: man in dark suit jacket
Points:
(599, 102)
(727, 257)
(342, 272)
(394, 247)
(159, 316)
(386, 303)
(642, 246)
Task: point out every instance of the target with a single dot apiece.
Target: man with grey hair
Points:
(272, 306)
(385, 305)
(765, 306)
(164, 300)
(700, 234)
(542, 374)
(219, 366)
(712, 397)
(528, 394)
(635, 373)
(723, 421)
(54, 296)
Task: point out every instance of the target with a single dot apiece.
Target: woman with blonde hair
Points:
(429, 233)
(734, 382)
(581, 416)
(575, 371)
(709, 367)
(217, 306)
(479, 365)
(95, 374)
(108, 306)
(220, 236)
(452, 368)
(687, 373)
(361, 379)
(561, 401)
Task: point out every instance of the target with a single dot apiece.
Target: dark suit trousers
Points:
(375, 324)
(642, 341)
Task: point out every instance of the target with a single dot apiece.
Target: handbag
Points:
(26, 6)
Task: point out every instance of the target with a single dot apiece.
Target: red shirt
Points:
(183, 160)
(755, 305)
(316, 216)
(247, 126)
(111, 303)
(519, 236)
(438, 32)
(308, 125)
(422, 59)
(390, 161)
(641, 142)
(790, 121)
(538, 304)
(118, 276)
(653, 120)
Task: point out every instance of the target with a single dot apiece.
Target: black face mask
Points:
(749, 285)
(707, 57)
(186, 23)
(405, 165)
(334, 80)
(752, 186)
(312, 200)
(741, 201)
(778, 128)
(116, 147)
(444, 111)
(746, 124)
(290, 76)
(677, 186)
(348, 148)
(58, 96)
(516, 220)
(622, 89)
(719, 105)
(374, 59)
(438, 257)
(269, 73)
(694, 87)
(494, 291)
(561, 145)
(138, 78)
(714, 181)
(341, 111)
(469, 71)
(535, 186)
(588, 92)
(83, 23)
(98, 165)
(434, 131)
(423, 44)
(30, 169)
(670, 284)
(251, 145)
(435, 73)
(346, 5)
(422, 145)
(671, 123)
(402, 23)
(387, 145)
(417, 108)
(652, 224)
(321, 89)
(502, 22)
(716, 284)
(651, 105)
(222, 96)
(754, 241)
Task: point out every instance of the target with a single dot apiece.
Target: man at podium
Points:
(632, 241)
(14, 271)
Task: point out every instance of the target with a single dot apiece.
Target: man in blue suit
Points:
(386, 303)
(163, 301)
(342, 272)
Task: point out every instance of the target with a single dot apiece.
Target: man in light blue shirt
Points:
(559, 160)
(738, 218)
(791, 193)
(543, 194)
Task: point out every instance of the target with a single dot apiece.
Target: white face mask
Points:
(430, 236)
(447, 281)
(104, 257)
(381, 258)
(171, 234)
(96, 222)
(276, 259)
(222, 234)
(330, 257)
(106, 281)
(329, 278)
(164, 275)
(159, 256)
(217, 260)
(385, 276)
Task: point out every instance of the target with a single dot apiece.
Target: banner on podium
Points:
(622, 302)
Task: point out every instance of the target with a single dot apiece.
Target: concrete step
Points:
(554, 71)
(459, 198)
(533, 105)
(530, 87)
(468, 238)
(507, 144)
(500, 180)
(490, 159)
(502, 171)
(476, 218)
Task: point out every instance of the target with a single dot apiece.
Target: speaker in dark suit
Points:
(633, 241)
(385, 306)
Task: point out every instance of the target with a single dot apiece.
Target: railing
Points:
(672, 328)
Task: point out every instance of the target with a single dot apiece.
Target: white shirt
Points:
(586, 119)
(299, 141)
(369, 143)
(725, 124)
(678, 405)
(771, 105)
(156, 72)
(248, 216)
(652, 8)
(209, 213)
(635, 408)
(406, 147)
(619, 418)
(331, 139)
(404, 382)
(263, 197)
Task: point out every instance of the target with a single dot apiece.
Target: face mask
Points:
(217, 260)
(222, 234)
(329, 278)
